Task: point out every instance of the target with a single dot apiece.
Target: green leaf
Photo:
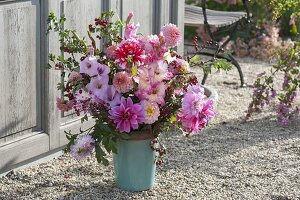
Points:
(48, 66)
(222, 64)
(114, 148)
(100, 155)
(124, 136)
(195, 59)
(52, 57)
(105, 161)
(61, 86)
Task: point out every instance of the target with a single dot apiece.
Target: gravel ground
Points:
(228, 160)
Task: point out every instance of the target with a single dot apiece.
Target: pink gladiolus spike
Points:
(130, 15)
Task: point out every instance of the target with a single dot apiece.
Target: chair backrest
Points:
(245, 5)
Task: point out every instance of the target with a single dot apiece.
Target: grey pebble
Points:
(228, 160)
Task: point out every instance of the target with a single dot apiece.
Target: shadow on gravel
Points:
(224, 139)
(104, 190)
(203, 152)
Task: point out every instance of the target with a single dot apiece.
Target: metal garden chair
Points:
(196, 16)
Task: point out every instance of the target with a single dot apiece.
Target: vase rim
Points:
(140, 135)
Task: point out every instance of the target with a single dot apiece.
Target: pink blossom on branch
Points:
(75, 76)
(64, 105)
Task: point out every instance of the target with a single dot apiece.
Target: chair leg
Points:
(236, 64)
(229, 59)
(204, 78)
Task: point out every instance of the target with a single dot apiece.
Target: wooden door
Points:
(30, 124)
(21, 132)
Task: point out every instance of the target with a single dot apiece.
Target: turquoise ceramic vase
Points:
(135, 164)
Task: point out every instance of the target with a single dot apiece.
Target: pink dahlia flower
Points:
(194, 123)
(196, 111)
(127, 115)
(151, 112)
(129, 52)
(110, 51)
(172, 35)
(122, 82)
(83, 147)
(197, 89)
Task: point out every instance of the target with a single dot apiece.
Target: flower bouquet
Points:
(135, 88)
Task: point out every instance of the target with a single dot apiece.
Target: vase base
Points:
(134, 188)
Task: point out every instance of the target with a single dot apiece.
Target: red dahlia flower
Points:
(129, 52)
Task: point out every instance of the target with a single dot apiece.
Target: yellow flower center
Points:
(150, 111)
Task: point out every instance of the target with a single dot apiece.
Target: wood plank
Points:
(2, 84)
(86, 12)
(177, 17)
(180, 23)
(19, 60)
(23, 150)
(165, 12)
(143, 13)
(161, 15)
(51, 115)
